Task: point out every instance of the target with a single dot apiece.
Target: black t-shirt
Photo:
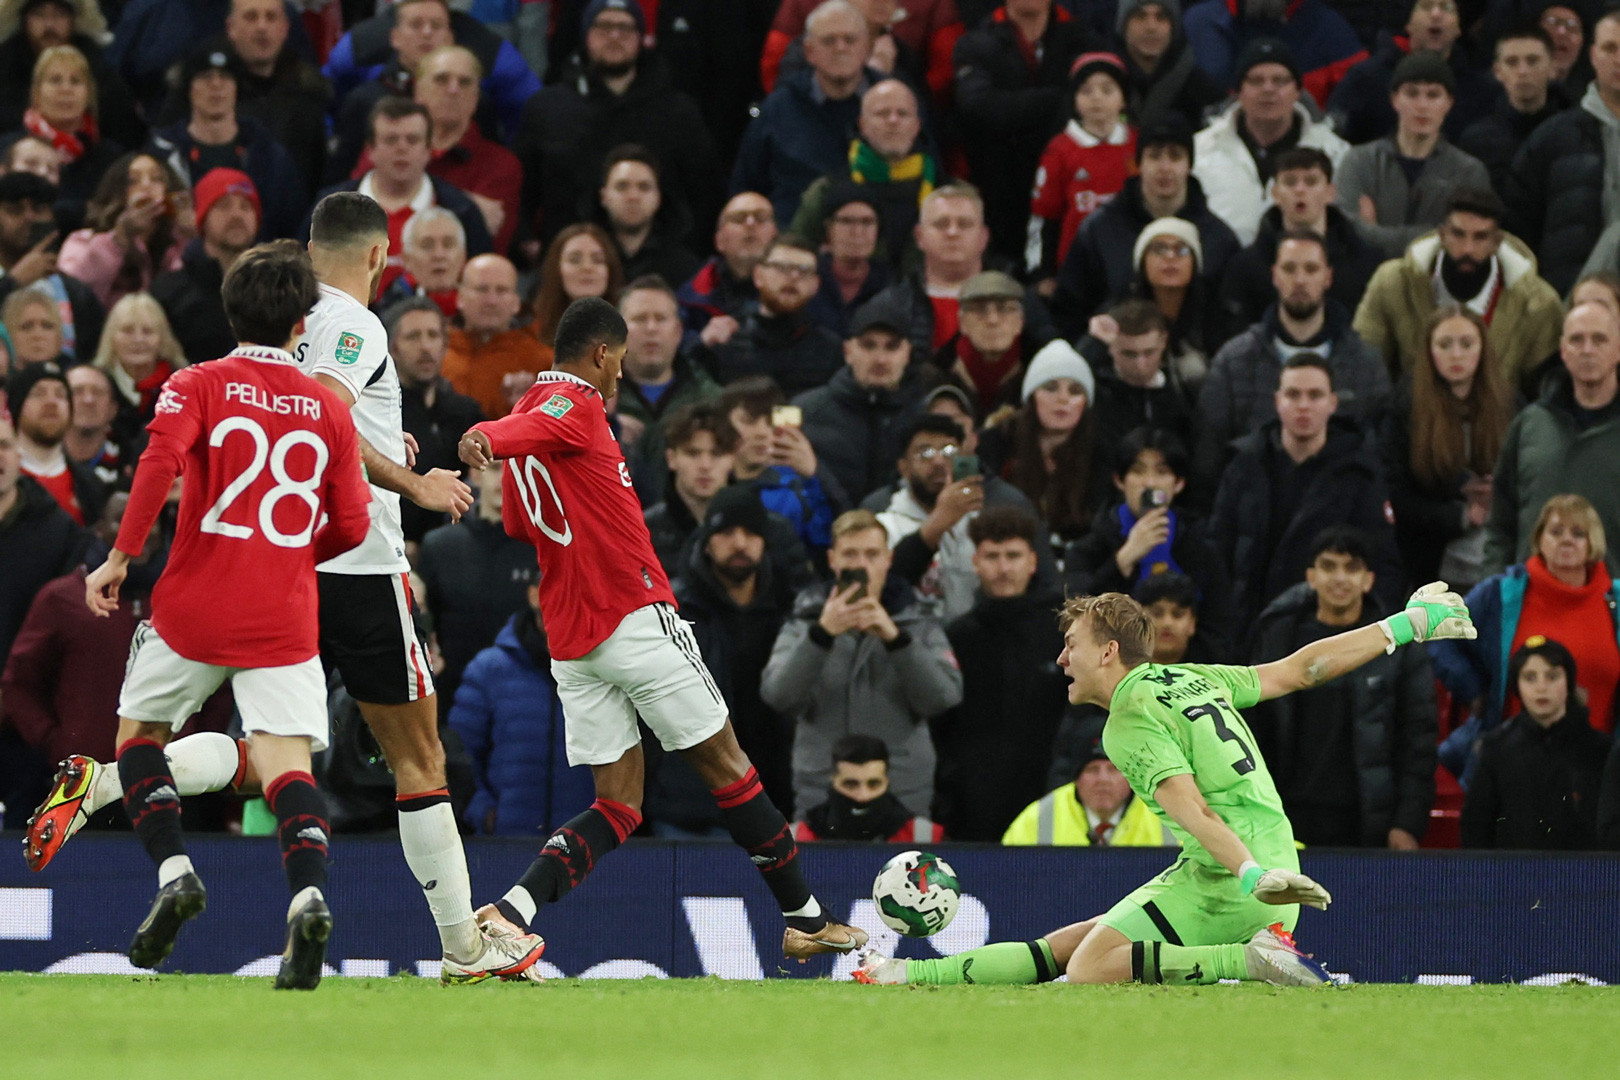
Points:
(1587, 418)
(1265, 157)
(1321, 791)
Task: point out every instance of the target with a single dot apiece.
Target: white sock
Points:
(434, 853)
(519, 898)
(175, 866)
(300, 898)
(200, 763)
(809, 911)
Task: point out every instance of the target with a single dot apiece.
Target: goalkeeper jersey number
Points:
(1173, 719)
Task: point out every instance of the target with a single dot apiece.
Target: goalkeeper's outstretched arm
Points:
(1180, 798)
(1432, 612)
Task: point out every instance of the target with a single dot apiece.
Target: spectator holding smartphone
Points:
(140, 220)
(862, 657)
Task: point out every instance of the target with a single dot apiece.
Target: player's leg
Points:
(284, 718)
(161, 690)
(199, 763)
(368, 634)
(601, 733)
(1003, 963)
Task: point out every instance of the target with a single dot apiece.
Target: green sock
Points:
(1178, 965)
(1006, 963)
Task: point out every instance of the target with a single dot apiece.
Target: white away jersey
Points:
(344, 340)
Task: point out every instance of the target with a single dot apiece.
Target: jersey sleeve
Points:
(176, 425)
(1047, 199)
(178, 413)
(351, 353)
(557, 423)
(1142, 748)
(1242, 684)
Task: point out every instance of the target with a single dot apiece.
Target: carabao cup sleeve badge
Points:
(348, 348)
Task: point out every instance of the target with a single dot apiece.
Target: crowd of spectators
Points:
(938, 310)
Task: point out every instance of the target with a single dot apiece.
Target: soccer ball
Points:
(916, 893)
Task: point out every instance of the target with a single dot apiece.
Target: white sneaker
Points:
(506, 955)
(1274, 958)
(879, 970)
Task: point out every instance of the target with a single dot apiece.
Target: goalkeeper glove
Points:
(1283, 887)
(1433, 612)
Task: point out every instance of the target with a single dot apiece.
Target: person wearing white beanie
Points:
(1180, 228)
(1058, 360)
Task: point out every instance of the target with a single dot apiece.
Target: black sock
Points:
(569, 855)
(759, 828)
(300, 811)
(150, 798)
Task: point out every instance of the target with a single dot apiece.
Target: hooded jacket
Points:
(1495, 138)
(1554, 194)
(792, 349)
(283, 192)
(1231, 179)
(1393, 715)
(38, 542)
(857, 684)
(1345, 486)
(190, 298)
(798, 137)
(1246, 290)
(1536, 788)
(1524, 327)
(510, 720)
(856, 431)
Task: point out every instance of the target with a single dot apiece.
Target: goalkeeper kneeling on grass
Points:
(1227, 906)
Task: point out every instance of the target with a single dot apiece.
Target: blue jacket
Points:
(283, 190)
(1470, 669)
(795, 140)
(1322, 41)
(808, 502)
(511, 721)
(363, 52)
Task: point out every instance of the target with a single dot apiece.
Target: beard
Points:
(603, 70)
(1301, 310)
(737, 569)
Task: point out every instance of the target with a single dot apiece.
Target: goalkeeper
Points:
(1226, 908)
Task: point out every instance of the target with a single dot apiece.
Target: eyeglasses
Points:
(1566, 23)
(746, 217)
(792, 270)
(867, 221)
(934, 453)
(1169, 249)
(622, 28)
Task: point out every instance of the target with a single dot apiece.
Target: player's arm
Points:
(439, 490)
(537, 431)
(1180, 798)
(1433, 612)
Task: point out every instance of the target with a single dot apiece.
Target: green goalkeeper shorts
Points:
(1192, 904)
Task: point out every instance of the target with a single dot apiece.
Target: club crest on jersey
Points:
(169, 401)
(348, 348)
(556, 406)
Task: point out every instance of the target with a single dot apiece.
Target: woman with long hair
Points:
(1047, 448)
(62, 111)
(138, 352)
(1441, 440)
(139, 220)
(580, 262)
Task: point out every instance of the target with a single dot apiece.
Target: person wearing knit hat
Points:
(1058, 360)
(228, 219)
(1399, 186)
(595, 8)
(1238, 149)
(1085, 165)
(1175, 229)
(42, 402)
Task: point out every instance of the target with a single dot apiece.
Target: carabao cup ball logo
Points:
(916, 893)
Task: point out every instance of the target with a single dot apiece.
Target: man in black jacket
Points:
(1523, 68)
(780, 339)
(648, 230)
(432, 412)
(612, 94)
(1160, 72)
(26, 201)
(1012, 75)
(227, 222)
(1293, 478)
(699, 446)
(276, 86)
(995, 747)
(1354, 758)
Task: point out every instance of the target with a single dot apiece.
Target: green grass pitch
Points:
(180, 1027)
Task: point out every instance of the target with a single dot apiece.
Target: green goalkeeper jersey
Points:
(1169, 719)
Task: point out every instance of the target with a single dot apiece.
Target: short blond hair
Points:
(1113, 617)
(956, 189)
(1575, 510)
(69, 57)
(440, 53)
(854, 521)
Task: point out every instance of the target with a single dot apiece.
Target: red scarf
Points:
(150, 386)
(68, 144)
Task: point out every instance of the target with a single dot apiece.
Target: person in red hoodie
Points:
(860, 806)
(1085, 165)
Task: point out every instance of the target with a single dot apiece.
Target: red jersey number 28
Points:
(286, 487)
(526, 473)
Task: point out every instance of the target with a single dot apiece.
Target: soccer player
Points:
(1226, 908)
(366, 626)
(265, 454)
(618, 647)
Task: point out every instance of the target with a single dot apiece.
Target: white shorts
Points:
(649, 665)
(163, 687)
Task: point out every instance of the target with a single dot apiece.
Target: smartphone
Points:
(1153, 498)
(39, 230)
(854, 575)
(964, 466)
(786, 416)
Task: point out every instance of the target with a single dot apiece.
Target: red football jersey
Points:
(1080, 173)
(266, 452)
(566, 490)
